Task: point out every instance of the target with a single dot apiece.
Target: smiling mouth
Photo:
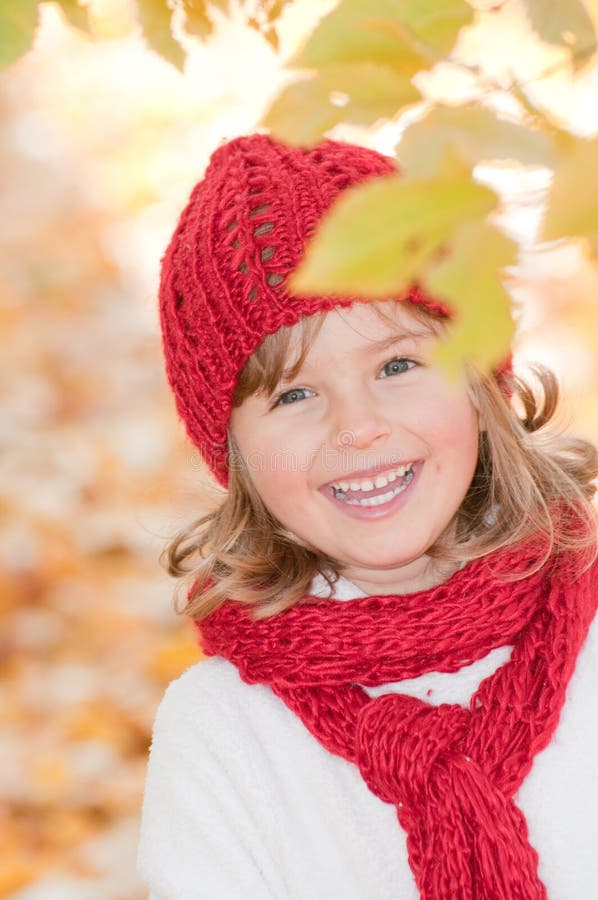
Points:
(375, 497)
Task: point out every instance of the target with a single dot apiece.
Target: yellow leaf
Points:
(475, 134)
(271, 36)
(49, 776)
(178, 653)
(405, 34)
(377, 235)
(301, 113)
(155, 17)
(17, 28)
(101, 721)
(75, 14)
(223, 5)
(566, 23)
(436, 23)
(573, 199)
(273, 9)
(467, 279)
(197, 20)
(16, 870)
(360, 93)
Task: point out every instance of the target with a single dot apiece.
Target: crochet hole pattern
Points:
(273, 279)
(265, 228)
(259, 209)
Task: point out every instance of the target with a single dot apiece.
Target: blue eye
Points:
(399, 365)
(395, 366)
(289, 397)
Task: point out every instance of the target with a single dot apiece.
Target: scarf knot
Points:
(416, 757)
(400, 741)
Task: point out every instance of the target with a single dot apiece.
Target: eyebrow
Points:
(392, 339)
(383, 344)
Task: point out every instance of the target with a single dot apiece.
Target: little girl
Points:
(397, 589)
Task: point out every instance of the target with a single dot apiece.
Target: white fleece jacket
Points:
(243, 803)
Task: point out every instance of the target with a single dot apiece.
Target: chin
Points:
(391, 561)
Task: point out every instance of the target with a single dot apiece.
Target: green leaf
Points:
(75, 15)
(475, 134)
(378, 235)
(197, 19)
(573, 198)
(18, 22)
(360, 93)
(406, 34)
(566, 23)
(155, 17)
(467, 280)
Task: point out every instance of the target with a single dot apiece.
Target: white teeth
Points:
(369, 485)
(376, 501)
(381, 498)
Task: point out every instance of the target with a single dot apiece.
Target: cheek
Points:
(281, 481)
(453, 432)
(285, 495)
(463, 439)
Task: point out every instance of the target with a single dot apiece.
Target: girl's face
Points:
(368, 453)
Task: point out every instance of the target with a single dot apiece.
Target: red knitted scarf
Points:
(452, 772)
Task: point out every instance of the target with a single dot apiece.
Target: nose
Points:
(358, 423)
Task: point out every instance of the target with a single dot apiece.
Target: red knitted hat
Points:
(222, 287)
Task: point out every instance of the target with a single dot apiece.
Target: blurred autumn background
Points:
(102, 137)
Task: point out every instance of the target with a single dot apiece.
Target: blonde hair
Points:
(239, 550)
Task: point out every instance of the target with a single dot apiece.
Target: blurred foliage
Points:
(19, 20)
(416, 217)
(362, 58)
(358, 67)
(90, 461)
(568, 24)
(573, 208)
(407, 35)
